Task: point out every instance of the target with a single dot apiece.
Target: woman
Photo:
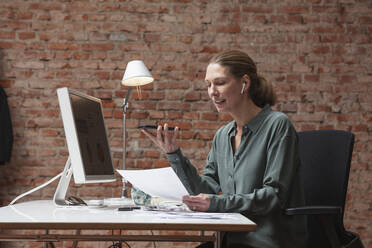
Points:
(252, 167)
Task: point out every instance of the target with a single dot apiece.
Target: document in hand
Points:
(161, 182)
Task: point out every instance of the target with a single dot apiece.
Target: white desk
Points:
(44, 215)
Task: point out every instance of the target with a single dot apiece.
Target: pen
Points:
(128, 208)
(153, 127)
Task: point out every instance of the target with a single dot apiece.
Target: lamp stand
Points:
(123, 200)
(124, 192)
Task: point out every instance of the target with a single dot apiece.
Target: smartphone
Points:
(153, 127)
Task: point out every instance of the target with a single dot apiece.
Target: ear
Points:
(247, 81)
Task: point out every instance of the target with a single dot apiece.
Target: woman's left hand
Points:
(163, 139)
(199, 202)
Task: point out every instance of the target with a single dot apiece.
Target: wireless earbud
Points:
(242, 91)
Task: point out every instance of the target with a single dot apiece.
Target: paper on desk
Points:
(161, 182)
(189, 215)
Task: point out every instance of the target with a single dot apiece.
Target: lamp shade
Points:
(136, 74)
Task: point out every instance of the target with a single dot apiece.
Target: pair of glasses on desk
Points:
(76, 201)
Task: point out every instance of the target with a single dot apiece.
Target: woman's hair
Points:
(239, 64)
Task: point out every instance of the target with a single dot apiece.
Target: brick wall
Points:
(317, 53)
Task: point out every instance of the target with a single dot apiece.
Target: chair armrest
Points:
(313, 210)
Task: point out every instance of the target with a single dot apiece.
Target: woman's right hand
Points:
(163, 138)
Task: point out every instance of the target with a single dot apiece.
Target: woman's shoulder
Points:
(279, 121)
(277, 117)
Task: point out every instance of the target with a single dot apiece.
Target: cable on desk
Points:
(35, 189)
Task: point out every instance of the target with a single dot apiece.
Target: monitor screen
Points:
(86, 137)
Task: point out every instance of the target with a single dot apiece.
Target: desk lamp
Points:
(136, 74)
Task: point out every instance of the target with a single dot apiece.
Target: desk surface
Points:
(44, 215)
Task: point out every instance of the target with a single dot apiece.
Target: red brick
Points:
(209, 49)
(156, 114)
(321, 49)
(295, 19)
(139, 115)
(152, 37)
(289, 108)
(151, 154)
(45, 6)
(25, 15)
(26, 35)
(6, 83)
(209, 116)
(187, 135)
(206, 125)
(29, 64)
(91, 47)
(228, 29)
(161, 163)
(208, 136)
(48, 153)
(258, 9)
(192, 96)
(7, 35)
(66, 36)
(63, 46)
(328, 29)
(191, 144)
(81, 6)
(187, 39)
(190, 115)
(365, 20)
(12, 45)
(293, 9)
(360, 128)
(141, 164)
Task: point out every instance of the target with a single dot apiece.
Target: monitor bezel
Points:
(72, 138)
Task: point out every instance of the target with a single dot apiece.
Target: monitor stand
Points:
(64, 181)
(59, 198)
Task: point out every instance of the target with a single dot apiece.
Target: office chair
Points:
(325, 163)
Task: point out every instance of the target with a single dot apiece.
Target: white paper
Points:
(179, 215)
(161, 182)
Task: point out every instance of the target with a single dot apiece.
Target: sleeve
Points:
(281, 165)
(194, 183)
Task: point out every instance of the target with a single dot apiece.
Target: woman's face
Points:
(223, 88)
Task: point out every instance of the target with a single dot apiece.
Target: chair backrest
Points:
(325, 163)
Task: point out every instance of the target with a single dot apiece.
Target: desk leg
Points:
(48, 243)
(75, 243)
(218, 242)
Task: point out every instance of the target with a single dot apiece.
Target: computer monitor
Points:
(89, 152)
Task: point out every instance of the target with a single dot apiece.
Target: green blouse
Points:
(259, 180)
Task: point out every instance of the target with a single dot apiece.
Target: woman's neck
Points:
(246, 113)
